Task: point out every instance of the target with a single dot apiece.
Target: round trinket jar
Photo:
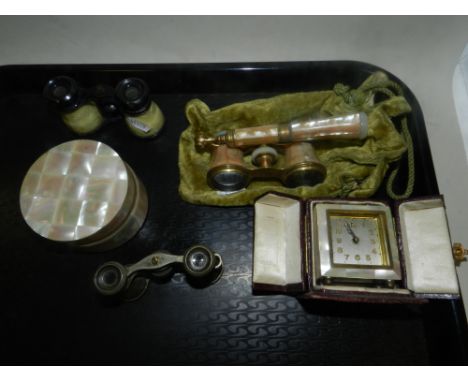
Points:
(83, 194)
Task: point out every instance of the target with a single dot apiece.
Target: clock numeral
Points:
(374, 251)
(368, 258)
(339, 250)
(357, 257)
(372, 241)
(338, 231)
(346, 257)
(339, 240)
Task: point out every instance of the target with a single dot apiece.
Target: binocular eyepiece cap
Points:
(133, 96)
(64, 92)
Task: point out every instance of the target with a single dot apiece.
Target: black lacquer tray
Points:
(50, 313)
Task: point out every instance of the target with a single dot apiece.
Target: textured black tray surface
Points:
(51, 314)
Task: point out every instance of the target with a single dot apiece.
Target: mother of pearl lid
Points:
(82, 193)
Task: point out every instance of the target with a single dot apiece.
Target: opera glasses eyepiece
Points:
(305, 175)
(199, 263)
(110, 278)
(228, 178)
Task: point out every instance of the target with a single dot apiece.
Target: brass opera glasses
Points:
(229, 171)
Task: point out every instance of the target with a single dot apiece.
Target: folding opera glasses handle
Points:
(352, 126)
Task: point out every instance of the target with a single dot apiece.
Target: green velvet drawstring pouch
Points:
(354, 169)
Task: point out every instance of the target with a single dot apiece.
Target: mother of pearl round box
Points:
(83, 194)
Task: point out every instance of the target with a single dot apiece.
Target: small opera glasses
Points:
(299, 166)
(85, 110)
(201, 265)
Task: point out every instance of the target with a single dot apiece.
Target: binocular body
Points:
(129, 282)
(297, 166)
(229, 171)
(85, 110)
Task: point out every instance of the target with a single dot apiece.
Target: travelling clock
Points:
(355, 243)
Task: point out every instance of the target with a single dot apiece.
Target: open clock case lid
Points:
(285, 261)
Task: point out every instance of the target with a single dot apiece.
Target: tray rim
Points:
(240, 66)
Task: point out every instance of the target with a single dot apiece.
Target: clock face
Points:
(357, 240)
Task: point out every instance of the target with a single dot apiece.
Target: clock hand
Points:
(351, 232)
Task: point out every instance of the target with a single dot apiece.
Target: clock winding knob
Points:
(459, 252)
